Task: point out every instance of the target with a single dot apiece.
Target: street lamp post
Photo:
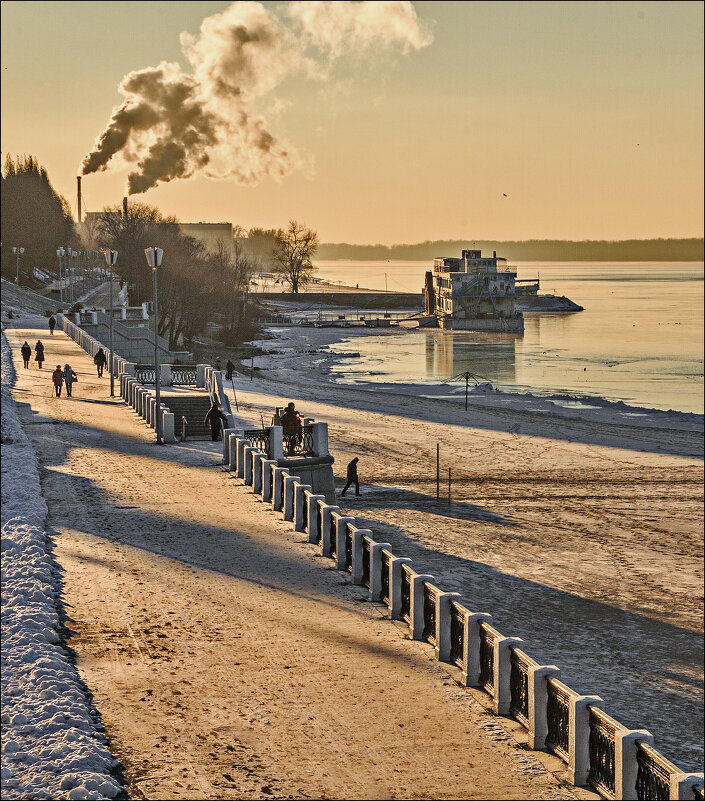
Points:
(110, 260)
(154, 259)
(69, 273)
(18, 252)
(59, 253)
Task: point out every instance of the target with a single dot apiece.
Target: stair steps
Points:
(194, 408)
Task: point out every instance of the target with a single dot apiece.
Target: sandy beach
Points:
(227, 659)
(580, 535)
(580, 531)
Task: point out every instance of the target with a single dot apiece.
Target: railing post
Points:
(471, 648)
(376, 549)
(299, 501)
(165, 375)
(443, 624)
(626, 745)
(232, 449)
(394, 585)
(320, 439)
(340, 535)
(538, 703)
(502, 672)
(278, 476)
(358, 553)
(226, 445)
(248, 451)
(257, 459)
(168, 427)
(288, 508)
(683, 784)
(241, 445)
(201, 375)
(417, 621)
(129, 368)
(313, 532)
(579, 736)
(276, 442)
(326, 514)
(267, 465)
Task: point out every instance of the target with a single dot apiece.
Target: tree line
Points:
(32, 216)
(196, 285)
(526, 250)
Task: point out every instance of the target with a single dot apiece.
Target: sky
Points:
(490, 120)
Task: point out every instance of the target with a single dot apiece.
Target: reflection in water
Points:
(492, 360)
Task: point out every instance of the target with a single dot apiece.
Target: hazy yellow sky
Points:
(587, 115)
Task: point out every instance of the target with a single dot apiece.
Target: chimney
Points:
(78, 184)
(124, 208)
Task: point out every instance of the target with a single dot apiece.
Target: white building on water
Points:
(474, 293)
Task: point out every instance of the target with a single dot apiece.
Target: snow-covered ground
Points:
(52, 746)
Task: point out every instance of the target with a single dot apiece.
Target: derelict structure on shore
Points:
(473, 293)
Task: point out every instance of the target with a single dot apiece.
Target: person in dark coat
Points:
(352, 477)
(291, 423)
(213, 419)
(99, 361)
(229, 368)
(39, 353)
(26, 351)
(52, 324)
(69, 378)
(57, 378)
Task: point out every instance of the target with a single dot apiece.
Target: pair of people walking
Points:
(26, 351)
(63, 376)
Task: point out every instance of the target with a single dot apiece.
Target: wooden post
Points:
(438, 471)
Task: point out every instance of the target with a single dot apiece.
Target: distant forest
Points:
(528, 250)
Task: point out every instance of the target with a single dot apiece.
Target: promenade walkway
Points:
(228, 660)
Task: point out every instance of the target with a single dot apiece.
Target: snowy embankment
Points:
(51, 743)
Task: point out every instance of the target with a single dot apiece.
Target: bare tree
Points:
(293, 252)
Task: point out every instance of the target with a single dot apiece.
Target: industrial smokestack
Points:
(78, 184)
(124, 208)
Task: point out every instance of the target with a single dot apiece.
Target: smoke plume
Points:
(174, 124)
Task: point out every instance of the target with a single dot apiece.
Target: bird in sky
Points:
(505, 194)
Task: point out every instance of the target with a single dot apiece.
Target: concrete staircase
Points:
(194, 408)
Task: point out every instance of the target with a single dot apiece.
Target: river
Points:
(639, 339)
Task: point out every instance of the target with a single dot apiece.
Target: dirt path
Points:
(227, 658)
(591, 553)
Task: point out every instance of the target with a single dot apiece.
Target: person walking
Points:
(99, 361)
(229, 369)
(352, 477)
(26, 351)
(52, 324)
(217, 365)
(39, 353)
(57, 378)
(213, 419)
(69, 378)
